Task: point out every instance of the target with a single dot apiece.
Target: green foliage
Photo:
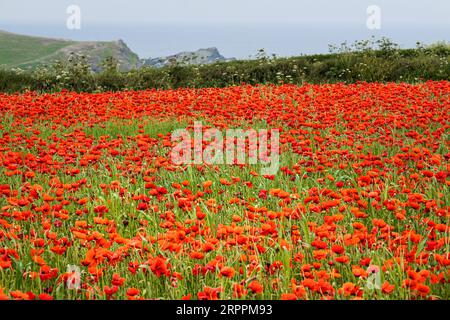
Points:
(369, 60)
(75, 74)
(110, 79)
(15, 80)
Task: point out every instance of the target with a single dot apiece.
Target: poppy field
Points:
(92, 207)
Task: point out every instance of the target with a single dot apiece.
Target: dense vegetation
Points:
(371, 60)
(95, 204)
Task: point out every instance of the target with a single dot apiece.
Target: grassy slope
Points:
(27, 52)
(17, 49)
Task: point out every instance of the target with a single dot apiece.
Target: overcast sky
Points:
(175, 25)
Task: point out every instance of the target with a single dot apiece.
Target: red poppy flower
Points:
(256, 287)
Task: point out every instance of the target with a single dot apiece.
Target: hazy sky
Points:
(237, 27)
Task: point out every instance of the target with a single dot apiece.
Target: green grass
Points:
(16, 50)
(29, 52)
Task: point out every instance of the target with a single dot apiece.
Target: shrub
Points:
(369, 60)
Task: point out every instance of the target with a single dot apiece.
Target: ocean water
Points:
(239, 41)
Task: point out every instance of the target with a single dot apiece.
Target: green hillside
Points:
(16, 50)
(27, 52)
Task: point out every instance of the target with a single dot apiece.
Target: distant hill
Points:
(201, 56)
(28, 52)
